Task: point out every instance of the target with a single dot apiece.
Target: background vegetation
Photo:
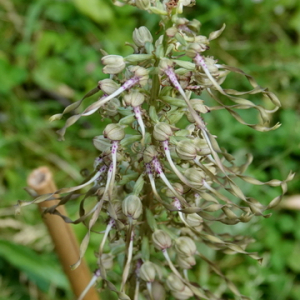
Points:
(49, 57)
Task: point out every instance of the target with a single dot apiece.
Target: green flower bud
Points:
(111, 107)
(203, 80)
(174, 283)
(158, 291)
(170, 32)
(114, 132)
(198, 105)
(201, 39)
(202, 146)
(142, 4)
(194, 176)
(185, 262)
(195, 48)
(186, 149)
(194, 25)
(149, 153)
(141, 36)
(158, 9)
(114, 64)
(140, 72)
(162, 131)
(186, 293)
(185, 246)
(193, 220)
(132, 207)
(165, 64)
(211, 65)
(108, 86)
(190, 117)
(107, 260)
(101, 143)
(161, 239)
(134, 99)
(178, 288)
(177, 187)
(147, 271)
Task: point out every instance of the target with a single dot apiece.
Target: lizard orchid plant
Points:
(160, 187)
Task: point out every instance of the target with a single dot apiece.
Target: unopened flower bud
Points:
(211, 65)
(185, 262)
(147, 271)
(134, 99)
(101, 143)
(158, 291)
(108, 86)
(190, 117)
(198, 105)
(142, 4)
(193, 220)
(186, 149)
(178, 289)
(194, 25)
(177, 187)
(141, 36)
(132, 207)
(175, 283)
(114, 132)
(185, 246)
(202, 147)
(194, 49)
(201, 39)
(171, 31)
(114, 64)
(149, 154)
(141, 73)
(165, 64)
(111, 107)
(185, 294)
(162, 131)
(161, 239)
(194, 176)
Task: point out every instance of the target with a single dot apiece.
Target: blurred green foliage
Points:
(49, 57)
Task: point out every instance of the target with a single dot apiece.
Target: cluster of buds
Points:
(159, 186)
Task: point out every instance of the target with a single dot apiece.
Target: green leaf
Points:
(42, 270)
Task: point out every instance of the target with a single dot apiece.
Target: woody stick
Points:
(66, 245)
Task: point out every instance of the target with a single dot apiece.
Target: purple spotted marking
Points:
(166, 145)
(130, 83)
(137, 112)
(172, 76)
(176, 203)
(148, 169)
(111, 222)
(199, 60)
(114, 147)
(157, 166)
(103, 168)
